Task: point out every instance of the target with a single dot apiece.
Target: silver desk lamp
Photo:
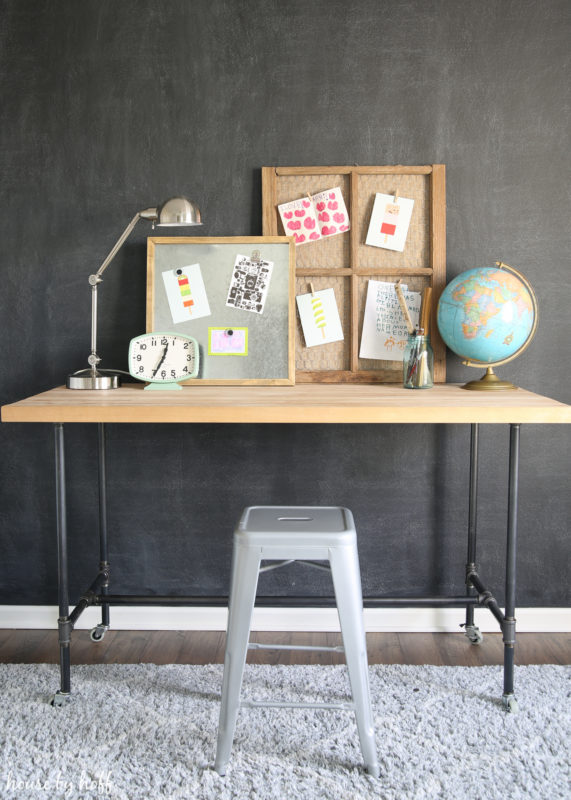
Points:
(177, 211)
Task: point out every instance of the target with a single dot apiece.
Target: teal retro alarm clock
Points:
(163, 359)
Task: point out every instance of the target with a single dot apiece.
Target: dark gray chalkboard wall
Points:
(109, 107)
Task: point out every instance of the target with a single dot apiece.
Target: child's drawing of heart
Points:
(288, 214)
(299, 238)
(314, 235)
(324, 216)
(332, 204)
(295, 225)
(339, 217)
(309, 223)
(300, 212)
(332, 195)
(344, 228)
(328, 231)
(320, 206)
(306, 203)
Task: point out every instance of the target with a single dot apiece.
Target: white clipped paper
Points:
(319, 317)
(250, 284)
(332, 215)
(186, 293)
(316, 217)
(390, 221)
(299, 219)
(385, 333)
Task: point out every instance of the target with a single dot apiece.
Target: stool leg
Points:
(245, 567)
(347, 583)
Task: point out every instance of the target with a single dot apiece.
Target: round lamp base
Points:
(490, 382)
(90, 381)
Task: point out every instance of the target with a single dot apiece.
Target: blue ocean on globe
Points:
(486, 314)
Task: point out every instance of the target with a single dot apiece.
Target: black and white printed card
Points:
(249, 285)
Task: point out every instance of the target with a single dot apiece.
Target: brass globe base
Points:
(490, 382)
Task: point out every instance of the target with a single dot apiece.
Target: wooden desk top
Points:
(331, 403)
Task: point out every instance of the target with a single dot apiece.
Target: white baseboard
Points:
(396, 620)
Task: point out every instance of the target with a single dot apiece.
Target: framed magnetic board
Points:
(235, 296)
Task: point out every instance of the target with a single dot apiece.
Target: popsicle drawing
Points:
(319, 317)
(318, 314)
(184, 288)
(390, 220)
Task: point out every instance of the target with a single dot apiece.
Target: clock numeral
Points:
(164, 340)
(163, 373)
(153, 342)
(173, 373)
(185, 369)
(189, 358)
(142, 346)
(186, 345)
(141, 369)
(139, 357)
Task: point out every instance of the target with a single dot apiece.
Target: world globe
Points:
(488, 316)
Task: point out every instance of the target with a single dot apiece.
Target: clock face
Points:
(163, 357)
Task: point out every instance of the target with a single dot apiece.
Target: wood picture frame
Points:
(270, 355)
(345, 263)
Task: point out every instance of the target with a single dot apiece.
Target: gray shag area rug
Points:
(142, 732)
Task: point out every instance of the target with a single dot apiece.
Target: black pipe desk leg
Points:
(97, 633)
(508, 628)
(471, 631)
(64, 625)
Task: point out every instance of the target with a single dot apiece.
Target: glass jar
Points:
(418, 362)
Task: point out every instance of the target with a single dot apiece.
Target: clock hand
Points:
(159, 365)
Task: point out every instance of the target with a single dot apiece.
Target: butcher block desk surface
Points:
(309, 403)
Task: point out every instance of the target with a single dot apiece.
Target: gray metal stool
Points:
(289, 534)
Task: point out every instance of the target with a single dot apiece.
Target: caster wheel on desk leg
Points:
(510, 703)
(59, 699)
(473, 634)
(96, 634)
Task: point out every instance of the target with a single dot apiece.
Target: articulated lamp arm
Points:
(95, 279)
(148, 213)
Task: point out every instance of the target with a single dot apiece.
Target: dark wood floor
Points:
(207, 647)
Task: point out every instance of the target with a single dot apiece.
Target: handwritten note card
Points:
(384, 329)
(315, 217)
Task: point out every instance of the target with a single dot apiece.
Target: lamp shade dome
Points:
(179, 211)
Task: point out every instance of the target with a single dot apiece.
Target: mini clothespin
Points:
(311, 289)
(256, 257)
(396, 196)
(403, 307)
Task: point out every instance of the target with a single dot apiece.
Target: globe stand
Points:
(490, 382)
